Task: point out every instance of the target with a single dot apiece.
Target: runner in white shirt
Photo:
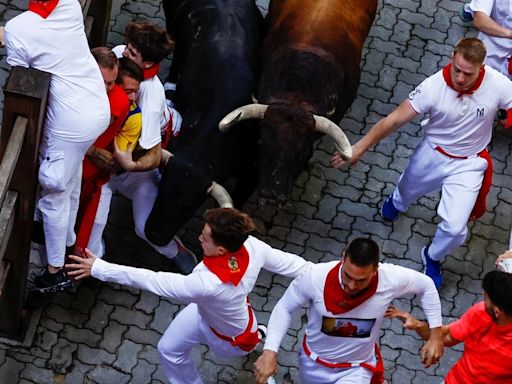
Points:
(346, 302)
(461, 101)
(77, 113)
(218, 313)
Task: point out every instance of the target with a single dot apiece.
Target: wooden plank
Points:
(25, 94)
(89, 21)
(7, 220)
(5, 268)
(100, 10)
(85, 6)
(11, 154)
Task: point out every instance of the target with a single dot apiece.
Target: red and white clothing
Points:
(486, 357)
(151, 101)
(458, 126)
(93, 177)
(350, 336)
(499, 49)
(77, 111)
(212, 304)
(142, 187)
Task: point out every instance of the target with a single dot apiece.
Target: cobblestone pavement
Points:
(104, 333)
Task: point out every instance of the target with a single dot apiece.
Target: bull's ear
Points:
(254, 99)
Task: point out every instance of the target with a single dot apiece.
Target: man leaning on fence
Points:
(50, 36)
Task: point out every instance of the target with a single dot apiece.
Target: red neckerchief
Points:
(470, 91)
(42, 8)
(337, 300)
(151, 71)
(229, 268)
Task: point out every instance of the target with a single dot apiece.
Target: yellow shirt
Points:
(131, 129)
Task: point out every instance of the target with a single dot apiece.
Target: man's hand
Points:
(125, 158)
(81, 268)
(337, 161)
(103, 159)
(433, 349)
(503, 263)
(503, 256)
(2, 38)
(410, 322)
(265, 366)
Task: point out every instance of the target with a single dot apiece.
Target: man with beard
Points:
(357, 289)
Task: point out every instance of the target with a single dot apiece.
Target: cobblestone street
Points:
(107, 334)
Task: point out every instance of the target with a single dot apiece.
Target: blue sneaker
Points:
(432, 268)
(388, 210)
(464, 15)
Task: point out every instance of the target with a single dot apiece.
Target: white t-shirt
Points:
(151, 101)
(462, 126)
(222, 306)
(499, 49)
(78, 108)
(308, 291)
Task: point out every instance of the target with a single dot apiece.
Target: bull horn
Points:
(220, 194)
(326, 126)
(250, 111)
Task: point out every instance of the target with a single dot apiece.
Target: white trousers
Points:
(141, 188)
(187, 330)
(314, 373)
(60, 174)
(459, 180)
(96, 244)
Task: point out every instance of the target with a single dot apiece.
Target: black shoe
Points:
(38, 232)
(185, 260)
(52, 282)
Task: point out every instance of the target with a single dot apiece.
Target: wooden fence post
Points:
(99, 10)
(25, 94)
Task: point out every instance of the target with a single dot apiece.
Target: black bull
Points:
(215, 66)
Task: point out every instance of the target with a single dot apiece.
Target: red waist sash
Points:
(247, 340)
(377, 371)
(481, 201)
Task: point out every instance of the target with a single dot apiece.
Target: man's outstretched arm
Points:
(384, 127)
(421, 327)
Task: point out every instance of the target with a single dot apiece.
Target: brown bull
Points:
(311, 71)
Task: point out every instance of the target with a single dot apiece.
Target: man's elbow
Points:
(479, 20)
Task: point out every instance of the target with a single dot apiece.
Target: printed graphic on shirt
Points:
(416, 91)
(347, 327)
(480, 111)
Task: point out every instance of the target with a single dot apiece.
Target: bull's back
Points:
(219, 44)
(337, 27)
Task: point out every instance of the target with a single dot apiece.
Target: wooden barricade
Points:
(25, 99)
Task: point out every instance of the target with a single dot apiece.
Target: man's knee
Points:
(169, 354)
(455, 229)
